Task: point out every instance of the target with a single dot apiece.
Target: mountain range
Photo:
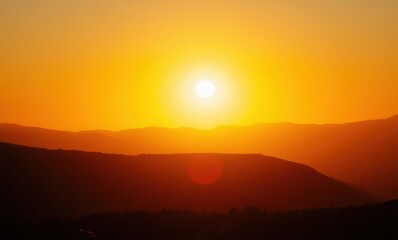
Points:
(361, 153)
(38, 183)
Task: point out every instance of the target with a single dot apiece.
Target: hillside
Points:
(378, 221)
(37, 183)
(361, 153)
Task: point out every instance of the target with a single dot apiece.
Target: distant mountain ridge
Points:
(37, 183)
(362, 153)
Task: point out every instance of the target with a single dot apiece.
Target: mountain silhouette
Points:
(37, 183)
(361, 153)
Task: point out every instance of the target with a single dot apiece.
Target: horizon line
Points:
(197, 128)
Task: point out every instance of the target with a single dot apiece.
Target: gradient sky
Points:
(96, 64)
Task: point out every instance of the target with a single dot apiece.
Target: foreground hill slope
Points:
(378, 221)
(37, 182)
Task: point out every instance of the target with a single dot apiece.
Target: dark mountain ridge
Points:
(361, 153)
(38, 183)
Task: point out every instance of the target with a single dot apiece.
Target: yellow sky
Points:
(96, 64)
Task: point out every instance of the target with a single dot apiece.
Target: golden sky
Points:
(96, 64)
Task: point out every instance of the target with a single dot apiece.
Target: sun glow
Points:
(205, 89)
(209, 94)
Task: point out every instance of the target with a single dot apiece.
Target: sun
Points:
(205, 89)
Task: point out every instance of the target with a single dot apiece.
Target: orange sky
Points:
(96, 64)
